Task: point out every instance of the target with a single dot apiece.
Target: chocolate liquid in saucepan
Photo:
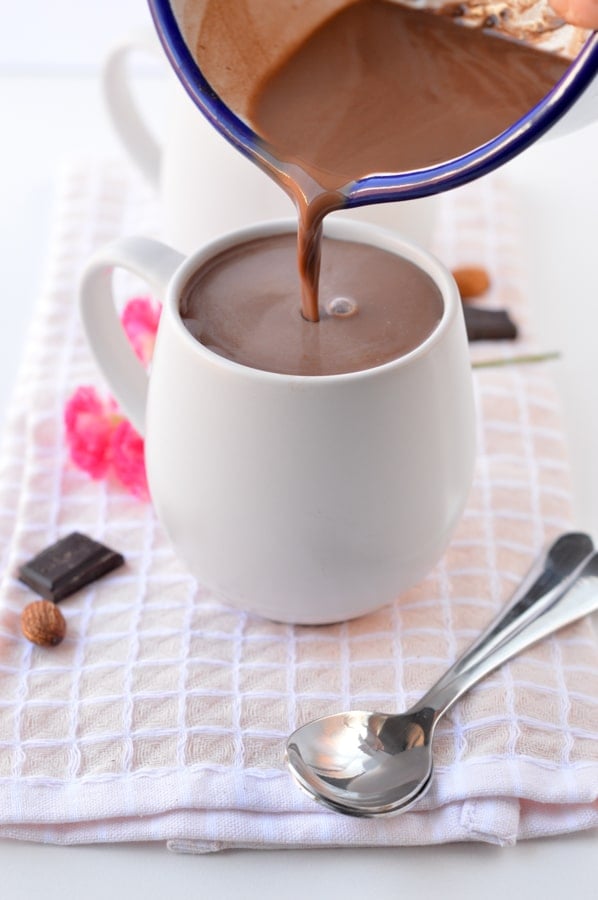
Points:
(383, 88)
(377, 88)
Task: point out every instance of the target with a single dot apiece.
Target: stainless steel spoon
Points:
(373, 764)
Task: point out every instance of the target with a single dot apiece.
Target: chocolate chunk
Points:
(488, 324)
(69, 564)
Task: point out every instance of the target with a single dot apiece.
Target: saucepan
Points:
(572, 103)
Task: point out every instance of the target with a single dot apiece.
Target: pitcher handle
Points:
(155, 263)
(123, 109)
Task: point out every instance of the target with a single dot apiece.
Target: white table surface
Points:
(50, 112)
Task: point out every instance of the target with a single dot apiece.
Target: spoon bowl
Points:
(380, 763)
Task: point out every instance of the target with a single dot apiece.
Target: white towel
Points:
(163, 714)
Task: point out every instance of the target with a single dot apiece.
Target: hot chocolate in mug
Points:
(304, 498)
(205, 186)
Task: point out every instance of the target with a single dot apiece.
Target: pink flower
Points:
(100, 440)
(128, 459)
(140, 319)
(90, 422)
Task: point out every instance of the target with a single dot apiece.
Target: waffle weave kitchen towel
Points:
(163, 714)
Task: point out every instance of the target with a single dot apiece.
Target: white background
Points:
(50, 109)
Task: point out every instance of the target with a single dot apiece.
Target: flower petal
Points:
(128, 459)
(140, 319)
(89, 422)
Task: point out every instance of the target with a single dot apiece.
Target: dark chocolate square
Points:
(69, 564)
(488, 324)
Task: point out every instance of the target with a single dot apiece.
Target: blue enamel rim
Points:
(380, 188)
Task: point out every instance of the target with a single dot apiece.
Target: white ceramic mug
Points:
(206, 186)
(306, 499)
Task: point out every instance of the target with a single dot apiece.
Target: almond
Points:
(472, 281)
(42, 623)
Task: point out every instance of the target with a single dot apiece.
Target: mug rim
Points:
(348, 230)
(379, 187)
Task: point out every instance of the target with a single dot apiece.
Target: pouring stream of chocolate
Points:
(382, 88)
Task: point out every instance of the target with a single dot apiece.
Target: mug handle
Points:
(138, 141)
(155, 263)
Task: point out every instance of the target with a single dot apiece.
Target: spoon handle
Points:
(549, 576)
(577, 597)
